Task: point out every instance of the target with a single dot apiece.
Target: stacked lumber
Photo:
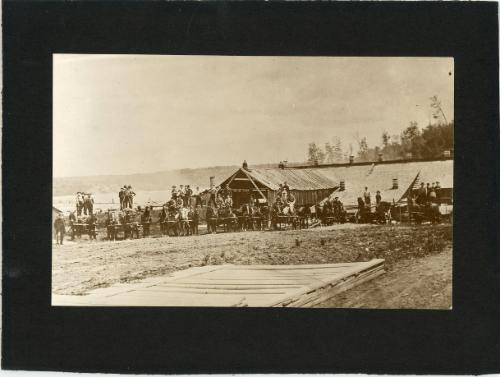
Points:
(324, 290)
(303, 285)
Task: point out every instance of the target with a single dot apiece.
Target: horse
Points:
(92, 227)
(211, 217)
(383, 213)
(303, 214)
(245, 214)
(195, 218)
(130, 225)
(110, 223)
(172, 222)
(229, 219)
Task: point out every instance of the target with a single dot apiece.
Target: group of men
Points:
(367, 200)
(185, 195)
(284, 198)
(84, 203)
(220, 197)
(126, 196)
(334, 205)
(427, 193)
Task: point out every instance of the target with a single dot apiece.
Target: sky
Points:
(126, 114)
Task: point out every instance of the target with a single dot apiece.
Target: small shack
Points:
(309, 186)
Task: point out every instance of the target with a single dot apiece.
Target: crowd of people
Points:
(427, 193)
(84, 203)
(184, 196)
(220, 197)
(126, 196)
(284, 199)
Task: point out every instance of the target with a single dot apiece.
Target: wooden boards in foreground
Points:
(232, 285)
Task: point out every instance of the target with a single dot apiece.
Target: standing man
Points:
(428, 191)
(378, 198)
(367, 197)
(179, 202)
(130, 197)
(286, 187)
(212, 200)
(198, 197)
(438, 189)
(280, 190)
(174, 192)
(432, 195)
(88, 204)
(187, 196)
(181, 192)
(79, 203)
(422, 194)
(121, 196)
(223, 192)
(146, 221)
(59, 229)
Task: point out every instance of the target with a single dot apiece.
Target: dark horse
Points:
(228, 218)
(303, 213)
(211, 217)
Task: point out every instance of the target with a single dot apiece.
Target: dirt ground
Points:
(418, 260)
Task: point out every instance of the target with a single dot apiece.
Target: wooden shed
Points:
(309, 186)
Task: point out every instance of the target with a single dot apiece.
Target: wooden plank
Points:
(231, 285)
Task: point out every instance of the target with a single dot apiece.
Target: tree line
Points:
(413, 142)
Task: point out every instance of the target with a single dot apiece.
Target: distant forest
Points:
(413, 142)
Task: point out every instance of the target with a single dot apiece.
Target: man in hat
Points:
(286, 187)
(164, 215)
(378, 198)
(179, 202)
(438, 189)
(181, 192)
(367, 197)
(197, 195)
(224, 192)
(88, 204)
(280, 190)
(59, 229)
(422, 194)
(121, 195)
(212, 200)
(146, 221)
(79, 203)
(173, 192)
(130, 197)
(187, 196)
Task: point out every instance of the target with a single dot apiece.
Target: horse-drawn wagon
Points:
(80, 228)
(126, 222)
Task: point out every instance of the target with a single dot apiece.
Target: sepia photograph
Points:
(252, 181)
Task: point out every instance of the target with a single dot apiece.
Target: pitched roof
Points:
(376, 176)
(435, 171)
(380, 177)
(297, 179)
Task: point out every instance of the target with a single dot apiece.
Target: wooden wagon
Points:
(78, 229)
(128, 230)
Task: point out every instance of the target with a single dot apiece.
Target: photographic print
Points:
(252, 181)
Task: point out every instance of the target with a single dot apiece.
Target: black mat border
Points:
(161, 340)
